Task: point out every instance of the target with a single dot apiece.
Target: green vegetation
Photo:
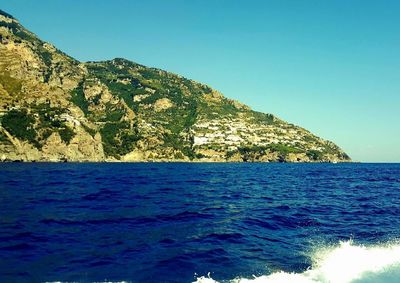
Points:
(128, 141)
(310, 139)
(109, 133)
(152, 98)
(79, 99)
(125, 92)
(315, 155)
(227, 109)
(199, 155)
(179, 119)
(118, 138)
(45, 134)
(252, 149)
(250, 152)
(50, 121)
(116, 135)
(192, 115)
(17, 30)
(66, 134)
(24, 126)
(6, 14)
(48, 116)
(218, 110)
(263, 118)
(114, 114)
(109, 75)
(89, 130)
(176, 142)
(20, 124)
(46, 56)
(4, 139)
(283, 149)
(230, 153)
(149, 74)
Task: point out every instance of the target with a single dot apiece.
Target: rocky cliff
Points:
(54, 108)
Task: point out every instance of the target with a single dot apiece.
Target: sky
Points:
(332, 67)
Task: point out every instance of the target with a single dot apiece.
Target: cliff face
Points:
(54, 108)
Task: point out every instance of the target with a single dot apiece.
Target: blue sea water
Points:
(180, 222)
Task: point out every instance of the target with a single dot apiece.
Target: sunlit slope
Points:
(54, 108)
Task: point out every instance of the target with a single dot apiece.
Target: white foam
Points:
(344, 263)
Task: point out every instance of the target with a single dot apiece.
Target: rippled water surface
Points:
(176, 222)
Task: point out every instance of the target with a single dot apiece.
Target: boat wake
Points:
(344, 263)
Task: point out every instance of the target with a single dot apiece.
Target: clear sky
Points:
(332, 67)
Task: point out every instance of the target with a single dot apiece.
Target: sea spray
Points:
(344, 263)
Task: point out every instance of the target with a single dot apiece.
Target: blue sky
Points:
(332, 67)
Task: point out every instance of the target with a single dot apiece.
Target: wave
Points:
(343, 263)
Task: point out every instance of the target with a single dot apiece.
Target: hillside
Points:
(55, 108)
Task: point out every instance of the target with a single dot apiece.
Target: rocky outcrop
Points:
(82, 147)
(54, 108)
(162, 104)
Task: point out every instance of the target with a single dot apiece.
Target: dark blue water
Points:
(171, 222)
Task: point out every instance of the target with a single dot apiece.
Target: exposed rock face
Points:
(54, 108)
(162, 104)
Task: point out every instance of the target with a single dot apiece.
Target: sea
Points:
(199, 222)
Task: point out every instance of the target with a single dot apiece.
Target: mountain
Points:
(55, 108)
